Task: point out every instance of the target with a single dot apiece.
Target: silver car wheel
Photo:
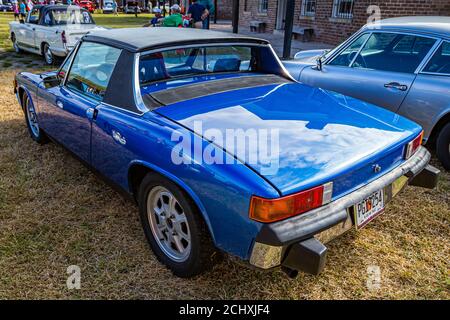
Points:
(169, 224)
(16, 46)
(48, 55)
(32, 119)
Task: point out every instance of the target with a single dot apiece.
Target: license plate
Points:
(366, 210)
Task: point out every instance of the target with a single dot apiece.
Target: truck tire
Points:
(48, 55)
(15, 46)
(443, 146)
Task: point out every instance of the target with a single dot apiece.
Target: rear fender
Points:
(182, 185)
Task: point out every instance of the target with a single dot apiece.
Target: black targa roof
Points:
(140, 39)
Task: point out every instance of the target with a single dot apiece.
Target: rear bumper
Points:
(61, 52)
(276, 242)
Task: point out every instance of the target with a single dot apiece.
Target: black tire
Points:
(49, 57)
(202, 255)
(443, 146)
(37, 135)
(15, 46)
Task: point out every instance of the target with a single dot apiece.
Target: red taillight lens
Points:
(271, 210)
(63, 37)
(413, 146)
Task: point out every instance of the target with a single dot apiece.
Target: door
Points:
(428, 99)
(281, 14)
(378, 67)
(30, 28)
(71, 106)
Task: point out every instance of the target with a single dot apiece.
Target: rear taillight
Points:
(271, 210)
(63, 37)
(413, 146)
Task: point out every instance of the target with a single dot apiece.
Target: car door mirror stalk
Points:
(319, 64)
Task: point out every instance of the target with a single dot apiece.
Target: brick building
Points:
(333, 20)
(224, 9)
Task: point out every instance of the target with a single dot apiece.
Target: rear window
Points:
(197, 61)
(71, 16)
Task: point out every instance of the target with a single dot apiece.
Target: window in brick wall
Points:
(343, 9)
(246, 5)
(308, 8)
(263, 6)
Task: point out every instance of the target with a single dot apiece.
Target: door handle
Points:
(118, 137)
(396, 85)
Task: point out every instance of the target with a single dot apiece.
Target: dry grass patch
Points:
(55, 213)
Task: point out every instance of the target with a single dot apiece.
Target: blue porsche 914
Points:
(222, 150)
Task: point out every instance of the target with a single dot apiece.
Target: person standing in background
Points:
(197, 13)
(16, 10)
(175, 19)
(115, 8)
(22, 10)
(209, 5)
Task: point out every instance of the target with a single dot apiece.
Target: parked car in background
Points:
(124, 104)
(401, 64)
(132, 7)
(6, 7)
(51, 30)
(108, 6)
(88, 5)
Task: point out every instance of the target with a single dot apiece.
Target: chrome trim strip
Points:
(366, 29)
(69, 57)
(429, 57)
(137, 88)
(110, 106)
(359, 50)
(219, 44)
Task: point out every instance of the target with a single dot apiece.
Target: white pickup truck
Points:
(51, 30)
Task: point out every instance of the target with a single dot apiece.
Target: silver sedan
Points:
(401, 64)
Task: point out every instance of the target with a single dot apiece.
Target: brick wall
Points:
(333, 31)
(252, 13)
(224, 9)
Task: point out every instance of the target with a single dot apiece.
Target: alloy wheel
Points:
(32, 119)
(169, 224)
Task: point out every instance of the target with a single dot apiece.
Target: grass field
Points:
(55, 213)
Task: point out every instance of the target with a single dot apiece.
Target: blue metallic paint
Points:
(223, 192)
(323, 137)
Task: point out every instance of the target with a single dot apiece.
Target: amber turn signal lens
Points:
(271, 210)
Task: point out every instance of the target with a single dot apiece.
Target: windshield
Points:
(63, 16)
(197, 61)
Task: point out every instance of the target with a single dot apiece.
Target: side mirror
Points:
(319, 64)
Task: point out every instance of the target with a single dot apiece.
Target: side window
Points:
(34, 16)
(92, 68)
(47, 19)
(349, 53)
(393, 52)
(440, 62)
